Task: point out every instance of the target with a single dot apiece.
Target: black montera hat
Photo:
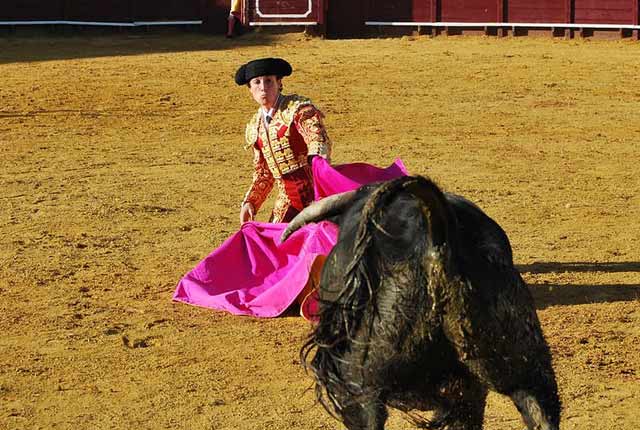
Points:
(262, 67)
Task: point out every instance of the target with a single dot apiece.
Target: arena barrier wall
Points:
(344, 18)
(129, 13)
(115, 13)
(507, 16)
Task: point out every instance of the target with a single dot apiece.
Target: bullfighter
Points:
(285, 134)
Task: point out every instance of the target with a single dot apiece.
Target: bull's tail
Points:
(360, 278)
(435, 207)
(347, 320)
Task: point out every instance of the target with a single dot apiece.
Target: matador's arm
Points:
(262, 181)
(309, 123)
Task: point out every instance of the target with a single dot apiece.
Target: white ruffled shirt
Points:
(267, 116)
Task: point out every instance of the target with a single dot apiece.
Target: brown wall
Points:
(524, 11)
(32, 10)
(537, 11)
(343, 18)
(604, 11)
(107, 10)
(214, 15)
(469, 10)
(213, 12)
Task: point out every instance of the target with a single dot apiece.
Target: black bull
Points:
(421, 308)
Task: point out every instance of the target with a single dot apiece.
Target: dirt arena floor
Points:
(121, 166)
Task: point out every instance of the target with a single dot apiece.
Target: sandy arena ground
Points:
(121, 166)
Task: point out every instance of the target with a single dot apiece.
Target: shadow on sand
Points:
(42, 45)
(547, 295)
(550, 267)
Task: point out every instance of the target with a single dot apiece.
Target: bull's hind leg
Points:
(367, 414)
(532, 412)
(462, 404)
(458, 403)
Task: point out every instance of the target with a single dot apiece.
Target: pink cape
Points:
(252, 273)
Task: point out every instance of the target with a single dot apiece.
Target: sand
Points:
(121, 166)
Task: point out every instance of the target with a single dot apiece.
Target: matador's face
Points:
(265, 90)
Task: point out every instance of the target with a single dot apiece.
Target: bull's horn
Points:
(317, 211)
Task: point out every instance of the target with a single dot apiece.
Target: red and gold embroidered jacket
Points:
(295, 133)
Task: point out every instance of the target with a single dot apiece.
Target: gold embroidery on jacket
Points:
(277, 156)
(262, 181)
(311, 128)
(282, 203)
(277, 151)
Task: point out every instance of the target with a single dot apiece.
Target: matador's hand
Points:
(247, 213)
